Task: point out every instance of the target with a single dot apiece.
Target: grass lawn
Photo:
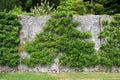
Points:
(61, 76)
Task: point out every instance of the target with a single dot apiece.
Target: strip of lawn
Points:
(61, 76)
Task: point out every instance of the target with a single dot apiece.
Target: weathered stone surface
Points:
(22, 68)
(31, 27)
(24, 54)
(7, 69)
(34, 25)
(68, 69)
(92, 23)
(115, 69)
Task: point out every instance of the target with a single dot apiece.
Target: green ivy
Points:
(9, 28)
(110, 49)
(61, 36)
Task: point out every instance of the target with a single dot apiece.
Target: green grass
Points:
(26, 76)
(61, 76)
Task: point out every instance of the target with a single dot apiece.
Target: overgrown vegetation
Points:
(110, 49)
(60, 36)
(9, 28)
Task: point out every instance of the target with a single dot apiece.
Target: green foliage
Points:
(80, 7)
(28, 4)
(110, 50)
(7, 5)
(43, 9)
(83, 7)
(16, 11)
(9, 28)
(66, 6)
(61, 36)
(105, 22)
(110, 7)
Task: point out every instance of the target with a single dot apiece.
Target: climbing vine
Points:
(9, 28)
(110, 49)
(61, 36)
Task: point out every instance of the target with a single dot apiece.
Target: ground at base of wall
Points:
(61, 76)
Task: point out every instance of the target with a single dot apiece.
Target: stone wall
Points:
(33, 25)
